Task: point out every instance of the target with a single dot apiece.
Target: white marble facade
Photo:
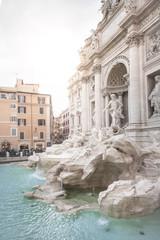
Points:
(121, 59)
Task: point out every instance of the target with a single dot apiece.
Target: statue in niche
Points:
(154, 97)
(82, 54)
(94, 40)
(115, 110)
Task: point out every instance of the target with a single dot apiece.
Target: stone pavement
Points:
(5, 160)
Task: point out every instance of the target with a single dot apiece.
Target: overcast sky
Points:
(39, 42)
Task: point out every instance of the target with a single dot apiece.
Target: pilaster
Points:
(106, 114)
(84, 81)
(134, 88)
(97, 71)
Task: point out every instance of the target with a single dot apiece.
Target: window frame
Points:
(21, 98)
(12, 96)
(13, 118)
(12, 105)
(3, 95)
(20, 135)
(43, 121)
(21, 107)
(41, 137)
(41, 100)
(21, 122)
(15, 132)
(41, 108)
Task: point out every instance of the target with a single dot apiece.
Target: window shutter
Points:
(24, 122)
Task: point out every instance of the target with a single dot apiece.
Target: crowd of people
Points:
(22, 152)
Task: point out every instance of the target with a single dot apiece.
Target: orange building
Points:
(25, 117)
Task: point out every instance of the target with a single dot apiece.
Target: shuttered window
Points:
(41, 122)
(21, 109)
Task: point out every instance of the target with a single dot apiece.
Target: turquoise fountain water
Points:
(21, 218)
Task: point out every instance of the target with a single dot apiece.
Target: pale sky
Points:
(39, 42)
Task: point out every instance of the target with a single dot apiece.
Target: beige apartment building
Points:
(65, 123)
(25, 117)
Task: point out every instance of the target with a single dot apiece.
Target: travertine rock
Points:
(33, 161)
(131, 199)
(130, 174)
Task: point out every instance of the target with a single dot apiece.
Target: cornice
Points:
(131, 18)
(116, 89)
(85, 66)
(152, 63)
(138, 17)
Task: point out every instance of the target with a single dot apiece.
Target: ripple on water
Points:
(26, 219)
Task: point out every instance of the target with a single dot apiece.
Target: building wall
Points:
(65, 123)
(26, 113)
(57, 130)
(122, 57)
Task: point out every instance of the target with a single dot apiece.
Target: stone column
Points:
(134, 88)
(76, 118)
(120, 94)
(84, 104)
(98, 111)
(142, 85)
(107, 110)
(106, 113)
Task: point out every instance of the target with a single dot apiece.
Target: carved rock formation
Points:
(130, 174)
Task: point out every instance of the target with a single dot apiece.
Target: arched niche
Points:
(117, 82)
(117, 75)
(122, 60)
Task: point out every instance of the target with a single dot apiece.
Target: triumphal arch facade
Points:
(117, 84)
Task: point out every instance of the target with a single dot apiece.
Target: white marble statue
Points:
(106, 7)
(82, 54)
(115, 110)
(94, 40)
(154, 97)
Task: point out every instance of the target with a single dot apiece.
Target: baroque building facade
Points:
(117, 83)
(26, 117)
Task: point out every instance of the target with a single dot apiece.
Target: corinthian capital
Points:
(134, 39)
(84, 79)
(96, 68)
